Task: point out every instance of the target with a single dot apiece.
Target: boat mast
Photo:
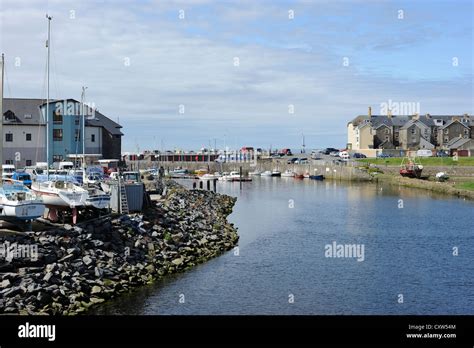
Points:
(83, 97)
(1, 110)
(47, 94)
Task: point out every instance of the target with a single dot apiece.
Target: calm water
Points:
(407, 251)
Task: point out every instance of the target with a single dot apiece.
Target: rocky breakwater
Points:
(78, 267)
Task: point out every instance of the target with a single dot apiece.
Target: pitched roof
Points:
(21, 107)
(32, 107)
(449, 123)
(457, 142)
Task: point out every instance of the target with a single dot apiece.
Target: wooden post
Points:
(240, 176)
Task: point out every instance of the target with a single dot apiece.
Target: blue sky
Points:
(283, 62)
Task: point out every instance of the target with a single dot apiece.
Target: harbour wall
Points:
(329, 169)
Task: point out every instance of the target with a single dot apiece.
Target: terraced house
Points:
(453, 133)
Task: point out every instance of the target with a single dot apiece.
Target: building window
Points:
(387, 138)
(446, 139)
(446, 131)
(466, 131)
(76, 120)
(413, 131)
(57, 118)
(28, 136)
(57, 158)
(57, 134)
(8, 161)
(28, 163)
(76, 135)
(9, 137)
(387, 131)
(27, 115)
(93, 138)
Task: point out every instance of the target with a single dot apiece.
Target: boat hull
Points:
(98, 201)
(317, 177)
(22, 210)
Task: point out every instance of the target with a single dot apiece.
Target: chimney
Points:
(416, 116)
(370, 112)
(389, 113)
(428, 116)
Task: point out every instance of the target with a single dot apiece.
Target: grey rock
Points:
(87, 260)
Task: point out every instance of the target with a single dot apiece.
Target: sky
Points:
(191, 74)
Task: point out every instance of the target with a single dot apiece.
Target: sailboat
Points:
(57, 194)
(17, 202)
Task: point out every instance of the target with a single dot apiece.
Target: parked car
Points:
(384, 155)
(301, 161)
(291, 161)
(359, 155)
(334, 153)
(442, 154)
(316, 156)
(285, 152)
(328, 150)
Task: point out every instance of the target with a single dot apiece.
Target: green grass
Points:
(426, 161)
(466, 185)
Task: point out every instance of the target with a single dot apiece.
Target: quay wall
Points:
(328, 169)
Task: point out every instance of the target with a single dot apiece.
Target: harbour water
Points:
(410, 240)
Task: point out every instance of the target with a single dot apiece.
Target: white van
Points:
(424, 153)
(344, 155)
(7, 171)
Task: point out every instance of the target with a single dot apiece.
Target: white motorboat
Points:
(209, 177)
(266, 173)
(256, 173)
(276, 173)
(288, 174)
(19, 202)
(62, 194)
(233, 175)
(97, 198)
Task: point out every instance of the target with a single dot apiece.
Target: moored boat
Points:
(317, 177)
(288, 174)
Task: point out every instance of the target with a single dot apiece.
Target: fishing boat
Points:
(299, 176)
(306, 175)
(317, 177)
(410, 168)
(276, 173)
(17, 202)
(288, 174)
